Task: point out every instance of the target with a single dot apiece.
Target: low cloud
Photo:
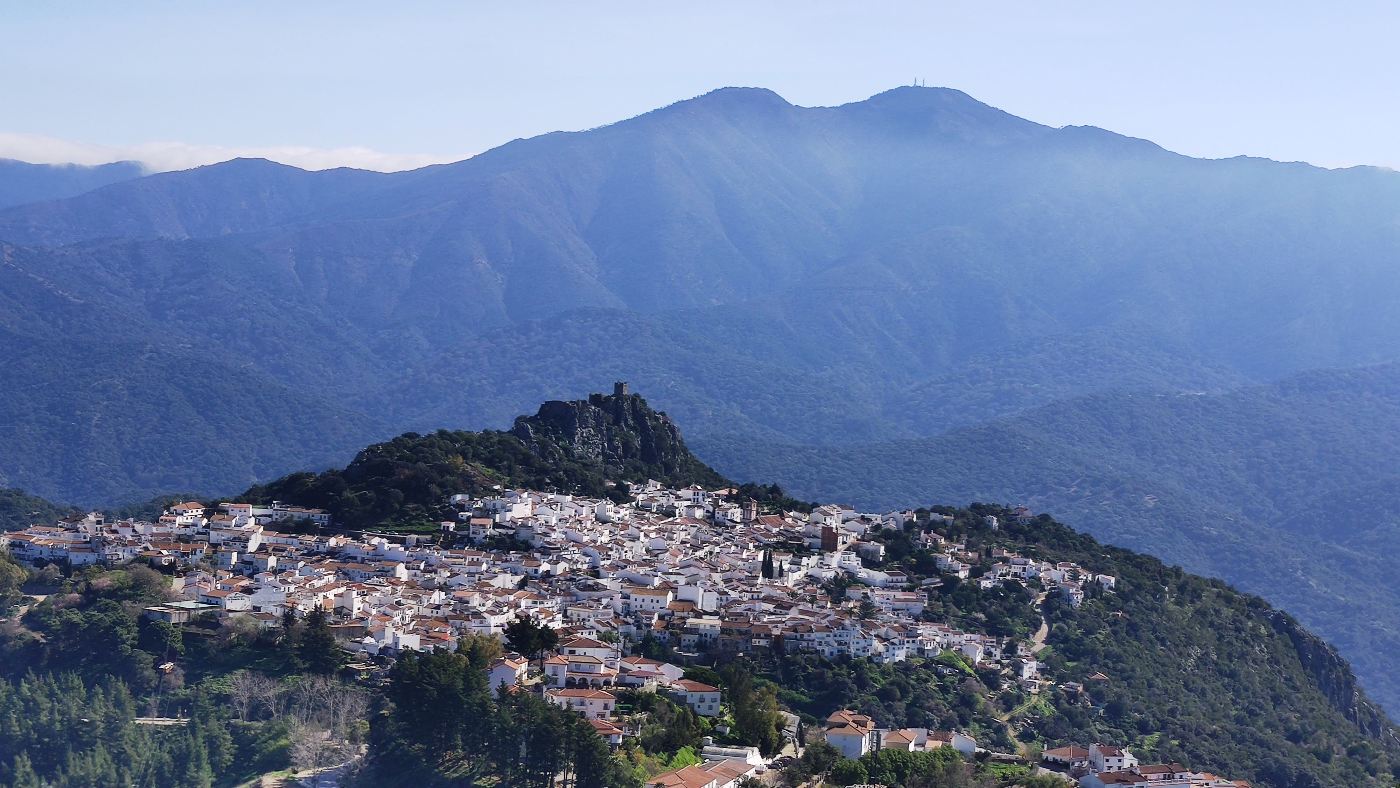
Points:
(165, 156)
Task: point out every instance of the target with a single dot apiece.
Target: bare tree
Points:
(314, 748)
(253, 692)
(348, 709)
(335, 707)
(244, 692)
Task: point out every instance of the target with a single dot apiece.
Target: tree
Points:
(249, 690)
(441, 704)
(529, 639)
(820, 756)
(849, 772)
(23, 774)
(757, 720)
(318, 650)
(162, 640)
(767, 570)
(12, 577)
(482, 650)
(314, 748)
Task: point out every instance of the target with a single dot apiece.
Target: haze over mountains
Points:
(908, 298)
(22, 182)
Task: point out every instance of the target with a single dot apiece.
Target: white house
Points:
(701, 698)
(508, 670)
(852, 734)
(1107, 758)
(593, 704)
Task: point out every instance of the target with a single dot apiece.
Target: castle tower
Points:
(620, 388)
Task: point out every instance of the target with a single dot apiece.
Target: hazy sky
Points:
(393, 85)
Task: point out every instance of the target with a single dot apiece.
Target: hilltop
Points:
(583, 446)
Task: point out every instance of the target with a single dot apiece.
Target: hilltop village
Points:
(693, 573)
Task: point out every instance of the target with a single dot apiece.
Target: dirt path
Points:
(1038, 639)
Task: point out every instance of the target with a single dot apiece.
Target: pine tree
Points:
(23, 774)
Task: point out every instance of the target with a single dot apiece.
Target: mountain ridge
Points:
(22, 182)
(906, 268)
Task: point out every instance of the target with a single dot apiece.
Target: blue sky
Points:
(395, 85)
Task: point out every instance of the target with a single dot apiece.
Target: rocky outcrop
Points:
(1333, 677)
(621, 433)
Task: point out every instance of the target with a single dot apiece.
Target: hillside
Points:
(577, 447)
(19, 510)
(1196, 671)
(1252, 692)
(1286, 490)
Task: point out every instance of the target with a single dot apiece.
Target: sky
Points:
(398, 85)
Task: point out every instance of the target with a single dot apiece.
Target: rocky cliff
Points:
(621, 433)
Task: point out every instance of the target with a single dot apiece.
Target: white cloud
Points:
(165, 156)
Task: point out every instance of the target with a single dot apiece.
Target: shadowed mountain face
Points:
(21, 182)
(891, 273)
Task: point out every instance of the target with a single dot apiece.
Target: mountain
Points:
(22, 182)
(907, 276)
(1287, 489)
(1253, 693)
(577, 447)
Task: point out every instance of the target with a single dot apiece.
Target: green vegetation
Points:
(442, 726)
(60, 731)
(82, 666)
(212, 329)
(1230, 684)
(12, 579)
(757, 720)
(1176, 666)
(19, 510)
(1261, 487)
(579, 447)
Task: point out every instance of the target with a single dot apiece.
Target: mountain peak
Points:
(942, 111)
(250, 164)
(726, 101)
